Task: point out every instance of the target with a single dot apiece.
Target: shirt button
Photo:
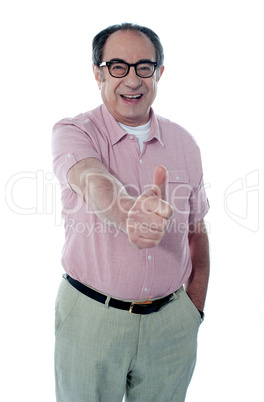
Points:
(149, 257)
(131, 137)
(140, 161)
(146, 289)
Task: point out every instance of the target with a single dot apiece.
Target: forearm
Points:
(144, 219)
(197, 284)
(106, 196)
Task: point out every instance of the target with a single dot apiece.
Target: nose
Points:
(132, 80)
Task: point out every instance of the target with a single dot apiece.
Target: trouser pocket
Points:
(66, 299)
(194, 311)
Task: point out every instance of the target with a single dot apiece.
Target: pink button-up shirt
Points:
(101, 256)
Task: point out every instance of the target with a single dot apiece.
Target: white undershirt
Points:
(140, 132)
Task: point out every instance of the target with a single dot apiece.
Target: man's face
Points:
(130, 47)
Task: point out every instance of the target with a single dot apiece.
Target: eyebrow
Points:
(123, 61)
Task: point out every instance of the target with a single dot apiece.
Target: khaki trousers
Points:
(103, 353)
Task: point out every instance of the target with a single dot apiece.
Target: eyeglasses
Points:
(119, 69)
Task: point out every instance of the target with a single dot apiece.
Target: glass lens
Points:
(145, 69)
(118, 69)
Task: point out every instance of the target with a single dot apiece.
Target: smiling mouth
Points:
(132, 97)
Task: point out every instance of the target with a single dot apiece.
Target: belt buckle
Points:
(131, 308)
(141, 303)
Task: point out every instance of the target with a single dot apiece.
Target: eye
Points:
(145, 69)
(118, 68)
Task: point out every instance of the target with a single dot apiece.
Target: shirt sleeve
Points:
(70, 144)
(199, 204)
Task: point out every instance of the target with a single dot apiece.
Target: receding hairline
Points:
(100, 39)
(124, 31)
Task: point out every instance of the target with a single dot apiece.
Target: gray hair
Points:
(101, 38)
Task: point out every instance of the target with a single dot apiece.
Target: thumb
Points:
(160, 182)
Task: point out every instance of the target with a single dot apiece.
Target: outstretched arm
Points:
(108, 198)
(143, 219)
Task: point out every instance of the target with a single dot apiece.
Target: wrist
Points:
(125, 205)
(201, 314)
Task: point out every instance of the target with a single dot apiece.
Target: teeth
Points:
(131, 96)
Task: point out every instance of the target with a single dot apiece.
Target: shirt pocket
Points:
(178, 176)
(179, 191)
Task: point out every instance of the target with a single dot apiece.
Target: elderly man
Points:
(136, 249)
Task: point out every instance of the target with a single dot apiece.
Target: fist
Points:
(149, 217)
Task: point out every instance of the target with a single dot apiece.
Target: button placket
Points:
(148, 279)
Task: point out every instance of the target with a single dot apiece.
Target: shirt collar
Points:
(155, 131)
(117, 132)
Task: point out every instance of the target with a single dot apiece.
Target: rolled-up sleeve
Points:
(199, 204)
(70, 144)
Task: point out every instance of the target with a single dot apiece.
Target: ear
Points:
(97, 75)
(159, 73)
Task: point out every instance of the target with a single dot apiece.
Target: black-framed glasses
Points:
(119, 68)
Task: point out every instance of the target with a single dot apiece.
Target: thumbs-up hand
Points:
(149, 217)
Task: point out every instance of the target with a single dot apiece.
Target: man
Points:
(133, 204)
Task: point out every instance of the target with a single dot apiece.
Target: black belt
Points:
(132, 307)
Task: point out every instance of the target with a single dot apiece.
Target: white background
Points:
(213, 86)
